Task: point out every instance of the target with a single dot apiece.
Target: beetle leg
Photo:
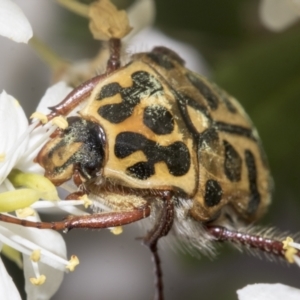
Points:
(160, 229)
(75, 97)
(265, 244)
(113, 62)
(80, 93)
(76, 195)
(94, 221)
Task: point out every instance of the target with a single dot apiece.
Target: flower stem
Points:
(76, 7)
(53, 60)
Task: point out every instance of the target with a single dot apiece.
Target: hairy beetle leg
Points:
(265, 244)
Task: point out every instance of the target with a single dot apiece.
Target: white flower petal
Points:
(38, 137)
(54, 94)
(13, 23)
(138, 20)
(51, 241)
(277, 15)
(54, 278)
(149, 38)
(264, 291)
(36, 140)
(47, 239)
(8, 289)
(13, 124)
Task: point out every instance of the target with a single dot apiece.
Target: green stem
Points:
(76, 7)
(52, 59)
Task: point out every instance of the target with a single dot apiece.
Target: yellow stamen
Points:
(290, 251)
(107, 21)
(13, 200)
(25, 212)
(36, 182)
(73, 262)
(38, 281)
(2, 157)
(87, 201)
(60, 122)
(36, 255)
(116, 230)
(42, 117)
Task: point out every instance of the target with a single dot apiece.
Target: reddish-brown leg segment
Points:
(95, 221)
(75, 97)
(113, 219)
(113, 62)
(80, 93)
(268, 245)
(163, 225)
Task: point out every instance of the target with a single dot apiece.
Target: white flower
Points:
(277, 15)
(278, 291)
(7, 287)
(13, 23)
(144, 37)
(263, 291)
(20, 143)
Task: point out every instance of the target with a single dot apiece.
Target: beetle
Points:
(154, 139)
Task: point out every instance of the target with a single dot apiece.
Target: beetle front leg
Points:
(163, 225)
(94, 221)
(75, 97)
(113, 62)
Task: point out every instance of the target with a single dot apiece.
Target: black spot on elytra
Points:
(204, 89)
(232, 163)
(161, 60)
(143, 85)
(255, 198)
(158, 119)
(228, 104)
(213, 193)
(235, 129)
(176, 156)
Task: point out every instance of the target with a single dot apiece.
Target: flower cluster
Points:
(21, 186)
(41, 254)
